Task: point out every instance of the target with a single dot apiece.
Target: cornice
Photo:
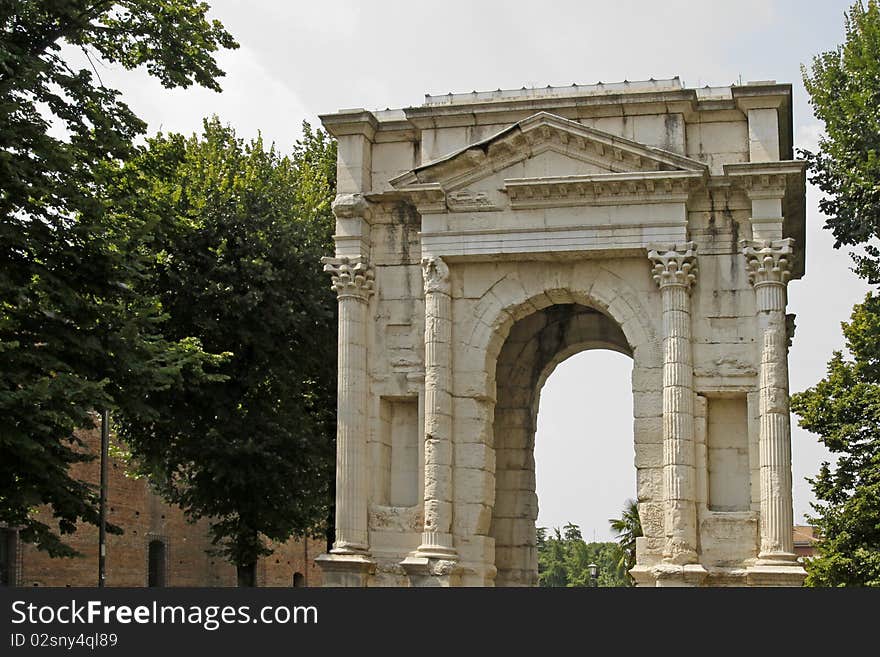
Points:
(761, 96)
(603, 189)
(440, 116)
(351, 122)
(766, 179)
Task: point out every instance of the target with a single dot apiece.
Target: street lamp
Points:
(594, 574)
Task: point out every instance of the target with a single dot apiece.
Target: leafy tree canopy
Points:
(239, 268)
(77, 334)
(564, 559)
(844, 410)
(844, 88)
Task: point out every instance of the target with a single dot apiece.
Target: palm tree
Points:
(628, 528)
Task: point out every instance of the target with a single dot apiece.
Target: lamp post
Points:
(594, 574)
(102, 504)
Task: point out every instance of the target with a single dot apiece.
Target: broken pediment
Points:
(548, 157)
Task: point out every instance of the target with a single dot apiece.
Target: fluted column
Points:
(675, 272)
(437, 535)
(768, 263)
(353, 282)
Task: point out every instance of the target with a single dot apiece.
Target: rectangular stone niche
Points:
(728, 454)
(398, 451)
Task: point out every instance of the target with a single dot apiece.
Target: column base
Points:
(431, 571)
(670, 575)
(777, 559)
(776, 573)
(346, 570)
(436, 546)
(345, 547)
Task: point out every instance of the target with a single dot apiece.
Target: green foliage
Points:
(76, 332)
(239, 267)
(844, 88)
(844, 410)
(628, 528)
(564, 559)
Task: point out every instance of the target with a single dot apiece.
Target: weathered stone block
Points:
(473, 485)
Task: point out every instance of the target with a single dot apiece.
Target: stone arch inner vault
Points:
(534, 347)
(481, 239)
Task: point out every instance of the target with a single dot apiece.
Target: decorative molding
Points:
(762, 180)
(429, 198)
(352, 277)
(436, 275)
(539, 133)
(768, 261)
(467, 201)
(603, 189)
(350, 206)
(674, 264)
(621, 240)
(351, 122)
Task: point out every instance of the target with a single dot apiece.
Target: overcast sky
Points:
(301, 59)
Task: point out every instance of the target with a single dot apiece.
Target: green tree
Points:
(76, 333)
(604, 555)
(564, 560)
(844, 88)
(240, 270)
(572, 532)
(844, 410)
(552, 567)
(628, 528)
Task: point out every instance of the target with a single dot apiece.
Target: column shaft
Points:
(437, 535)
(768, 265)
(353, 283)
(675, 272)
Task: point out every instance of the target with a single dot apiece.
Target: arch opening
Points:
(584, 460)
(534, 347)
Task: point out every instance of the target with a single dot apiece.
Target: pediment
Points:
(546, 152)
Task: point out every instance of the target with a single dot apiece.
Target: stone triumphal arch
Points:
(483, 238)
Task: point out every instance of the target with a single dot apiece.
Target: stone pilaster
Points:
(437, 535)
(768, 263)
(353, 282)
(675, 272)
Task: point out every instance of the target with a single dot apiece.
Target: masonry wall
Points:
(144, 517)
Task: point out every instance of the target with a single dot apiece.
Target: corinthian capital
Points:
(436, 275)
(674, 264)
(350, 276)
(768, 261)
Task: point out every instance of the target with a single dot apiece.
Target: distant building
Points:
(159, 547)
(805, 538)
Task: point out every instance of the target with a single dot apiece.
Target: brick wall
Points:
(144, 517)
